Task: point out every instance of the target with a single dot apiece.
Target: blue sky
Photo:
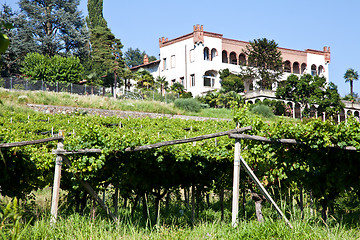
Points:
(292, 24)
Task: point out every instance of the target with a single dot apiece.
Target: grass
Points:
(71, 225)
(19, 99)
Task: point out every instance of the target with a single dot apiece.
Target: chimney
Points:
(327, 54)
(146, 59)
(198, 34)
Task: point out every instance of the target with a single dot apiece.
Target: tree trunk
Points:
(157, 210)
(323, 203)
(300, 202)
(258, 199)
(208, 200)
(93, 209)
(193, 203)
(144, 209)
(221, 196)
(167, 203)
(116, 200)
(135, 205)
(244, 201)
(83, 203)
(186, 196)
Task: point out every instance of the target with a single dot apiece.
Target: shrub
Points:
(188, 104)
(262, 110)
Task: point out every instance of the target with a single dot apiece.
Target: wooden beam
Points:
(80, 151)
(284, 140)
(187, 140)
(24, 143)
(262, 189)
(91, 191)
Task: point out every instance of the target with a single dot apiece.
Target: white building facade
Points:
(195, 60)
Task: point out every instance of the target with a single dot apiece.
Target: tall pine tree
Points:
(57, 26)
(21, 41)
(106, 59)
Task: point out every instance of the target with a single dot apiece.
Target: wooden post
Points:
(57, 176)
(236, 180)
(91, 191)
(263, 190)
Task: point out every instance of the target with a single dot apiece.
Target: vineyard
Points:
(184, 185)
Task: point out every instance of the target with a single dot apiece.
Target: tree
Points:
(309, 91)
(52, 69)
(266, 58)
(134, 57)
(232, 83)
(106, 55)
(178, 88)
(57, 26)
(351, 75)
(21, 41)
(162, 83)
(144, 79)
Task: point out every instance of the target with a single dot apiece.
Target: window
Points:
(173, 61)
(206, 54)
(182, 81)
(192, 77)
(164, 64)
(209, 79)
(296, 68)
(287, 66)
(242, 59)
(313, 70)
(192, 55)
(233, 59)
(213, 53)
(224, 57)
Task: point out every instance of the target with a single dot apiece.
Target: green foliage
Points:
(10, 220)
(351, 75)
(144, 79)
(232, 83)
(4, 40)
(188, 104)
(314, 165)
(59, 29)
(263, 110)
(177, 88)
(310, 90)
(265, 56)
(106, 59)
(22, 41)
(134, 57)
(55, 69)
(222, 100)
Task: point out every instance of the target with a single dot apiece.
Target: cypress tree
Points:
(106, 60)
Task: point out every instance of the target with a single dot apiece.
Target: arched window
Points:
(313, 70)
(242, 59)
(320, 69)
(296, 68)
(206, 54)
(213, 53)
(287, 66)
(233, 59)
(209, 79)
(303, 68)
(224, 57)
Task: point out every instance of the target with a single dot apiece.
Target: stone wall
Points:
(51, 109)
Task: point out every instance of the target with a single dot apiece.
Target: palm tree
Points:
(162, 83)
(350, 76)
